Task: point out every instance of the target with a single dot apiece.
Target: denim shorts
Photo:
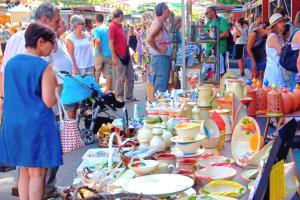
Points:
(260, 66)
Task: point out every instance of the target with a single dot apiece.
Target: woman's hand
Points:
(75, 70)
(253, 70)
(114, 61)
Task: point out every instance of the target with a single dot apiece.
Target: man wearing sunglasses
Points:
(215, 21)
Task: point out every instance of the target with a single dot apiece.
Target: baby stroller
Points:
(95, 107)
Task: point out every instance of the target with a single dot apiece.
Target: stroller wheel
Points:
(87, 136)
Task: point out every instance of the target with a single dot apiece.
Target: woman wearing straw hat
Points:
(274, 72)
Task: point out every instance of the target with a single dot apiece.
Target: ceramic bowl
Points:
(209, 128)
(216, 173)
(142, 167)
(188, 148)
(215, 160)
(188, 131)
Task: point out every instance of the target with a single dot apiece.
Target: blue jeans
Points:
(161, 66)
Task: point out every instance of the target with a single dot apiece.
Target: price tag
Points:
(277, 181)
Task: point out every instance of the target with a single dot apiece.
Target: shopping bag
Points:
(69, 131)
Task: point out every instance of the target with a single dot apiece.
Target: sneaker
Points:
(15, 191)
(120, 99)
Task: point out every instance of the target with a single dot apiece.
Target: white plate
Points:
(161, 185)
(179, 154)
(209, 196)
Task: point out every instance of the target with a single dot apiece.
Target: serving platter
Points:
(161, 185)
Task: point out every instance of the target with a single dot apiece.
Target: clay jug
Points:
(206, 95)
(286, 101)
(237, 87)
(274, 103)
(297, 94)
(266, 87)
(295, 101)
(251, 108)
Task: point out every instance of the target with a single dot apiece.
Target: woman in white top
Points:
(274, 72)
(240, 38)
(79, 48)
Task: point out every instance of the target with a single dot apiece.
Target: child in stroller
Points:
(95, 107)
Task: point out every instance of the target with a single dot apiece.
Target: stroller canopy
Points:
(78, 88)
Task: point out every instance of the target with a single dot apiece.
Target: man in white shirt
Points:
(48, 14)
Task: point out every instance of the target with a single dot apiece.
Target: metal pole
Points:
(183, 74)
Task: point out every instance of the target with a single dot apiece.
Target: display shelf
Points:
(207, 41)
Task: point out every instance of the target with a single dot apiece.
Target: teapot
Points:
(237, 87)
(206, 95)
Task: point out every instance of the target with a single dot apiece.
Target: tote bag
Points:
(69, 132)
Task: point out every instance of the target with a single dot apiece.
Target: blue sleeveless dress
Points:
(29, 136)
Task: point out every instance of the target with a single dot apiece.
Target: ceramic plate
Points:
(217, 172)
(224, 188)
(246, 140)
(161, 185)
(255, 160)
(207, 197)
(179, 154)
(215, 160)
(250, 175)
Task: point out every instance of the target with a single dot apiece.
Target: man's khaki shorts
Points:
(103, 64)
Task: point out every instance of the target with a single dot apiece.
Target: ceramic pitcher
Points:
(206, 95)
(238, 87)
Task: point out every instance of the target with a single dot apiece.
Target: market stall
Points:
(202, 142)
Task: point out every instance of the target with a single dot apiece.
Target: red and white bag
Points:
(69, 131)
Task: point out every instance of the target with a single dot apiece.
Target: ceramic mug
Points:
(164, 168)
(184, 172)
(167, 158)
(188, 164)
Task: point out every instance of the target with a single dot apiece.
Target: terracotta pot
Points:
(251, 108)
(274, 103)
(286, 101)
(297, 94)
(261, 99)
(267, 89)
(295, 101)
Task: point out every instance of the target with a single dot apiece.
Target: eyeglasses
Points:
(81, 24)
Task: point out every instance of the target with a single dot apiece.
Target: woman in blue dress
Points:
(29, 137)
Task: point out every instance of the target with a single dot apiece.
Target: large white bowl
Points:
(188, 131)
(217, 173)
(143, 167)
(188, 148)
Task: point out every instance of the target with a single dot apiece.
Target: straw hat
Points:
(275, 18)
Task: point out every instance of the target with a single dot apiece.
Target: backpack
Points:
(288, 56)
